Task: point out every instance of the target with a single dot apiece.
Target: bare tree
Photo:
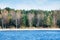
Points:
(30, 18)
(18, 18)
(4, 18)
(13, 19)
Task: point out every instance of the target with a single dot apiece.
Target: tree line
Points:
(29, 18)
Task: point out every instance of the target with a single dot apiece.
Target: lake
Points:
(30, 35)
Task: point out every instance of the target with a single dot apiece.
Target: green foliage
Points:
(9, 16)
(58, 23)
(34, 21)
(25, 20)
(8, 9)
(0, 11)
(48, 19)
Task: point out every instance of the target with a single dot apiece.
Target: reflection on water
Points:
(30, 35)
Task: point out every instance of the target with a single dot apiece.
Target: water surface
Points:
(30, 35)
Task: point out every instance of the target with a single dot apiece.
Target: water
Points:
(30, 35)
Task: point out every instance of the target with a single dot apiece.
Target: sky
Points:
(31, 4)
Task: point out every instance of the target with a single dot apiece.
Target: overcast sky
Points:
(31, 4)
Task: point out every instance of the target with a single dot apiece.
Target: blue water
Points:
(30, 35)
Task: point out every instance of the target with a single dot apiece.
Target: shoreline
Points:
(30, 29)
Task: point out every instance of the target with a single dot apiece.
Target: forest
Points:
(29, 18)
